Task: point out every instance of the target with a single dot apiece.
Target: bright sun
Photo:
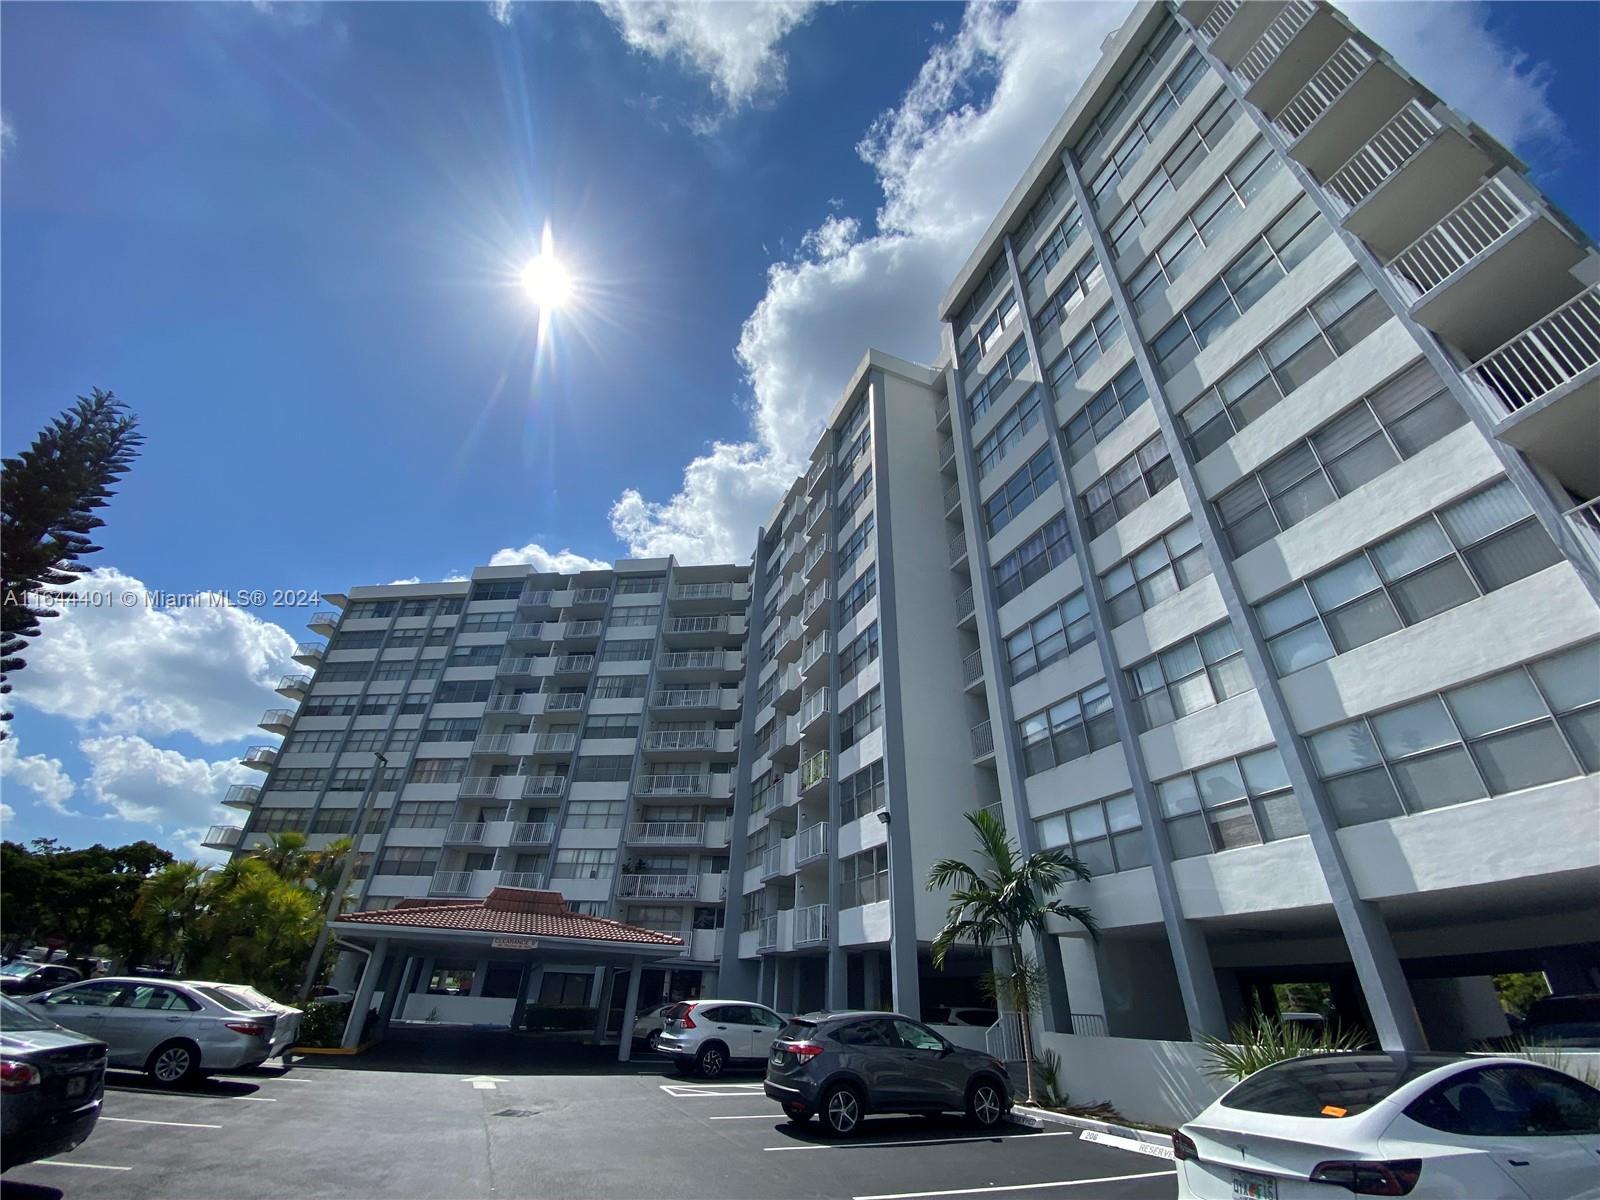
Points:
(546, 281)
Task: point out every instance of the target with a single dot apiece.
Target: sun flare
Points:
(546, 281)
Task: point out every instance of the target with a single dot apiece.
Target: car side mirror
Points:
(945, 1050)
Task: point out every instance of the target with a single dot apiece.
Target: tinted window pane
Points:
(1304, 1087)
(1438, 780)
(1362, 797)
(1524, 758)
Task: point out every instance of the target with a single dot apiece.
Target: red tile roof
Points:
(518, 911)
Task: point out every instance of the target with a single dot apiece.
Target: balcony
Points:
(450, 883)
(563, 702)
(527, 704)
(554, 743)
(952, 500)
(578, 631)
(787, 694)
(536, 598)
(811, 925)
(691, 660)
(242, 795)
(814, 659)
(309, 654)
(818, 560)
(1487, 269)
(709, 624)
(687, 698)
(815, 609)
(947, 452)
(941, 412)
(529, 631)
(543, 787)
(261, 758)
(495, 743)
(958, 550)
(521, 666)
(659, 887)
(590, 597)
(480, 787)
(293, 687)
(703, 593)
(814, 515)
(819, 471)
(680, 740)
(811, 843)
(530, 880)
(1544, 387)
(813, 710)
(1217, 19)
(1233, 27)
(222, 837)
(1350, 96)
(966, 607)
(324, 623)
(814, 771)
(789, 635)
(972, 669)
(772, 862)
(1274, 39)
(767, 934)
(277, 720)
(532, 833)
(574, 664)
(982, 742)
(666, 833)
(465, 833)
(683, 784)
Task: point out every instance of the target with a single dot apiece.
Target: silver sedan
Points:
(172, 1030)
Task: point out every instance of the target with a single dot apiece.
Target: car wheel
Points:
(711, 1061)
(652, 1040)
(840, 1110)
(986, 1103)
(173, 1063)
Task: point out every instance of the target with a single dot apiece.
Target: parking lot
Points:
(577, 1129)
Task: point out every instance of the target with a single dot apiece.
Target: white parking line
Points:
(678, 1093)
(995, 1137)
(715, 1085)
(1014, 1187)
(56, 1162)
(766, 1116)
(174, 1124)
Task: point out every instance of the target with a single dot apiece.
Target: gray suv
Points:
(842, 1066)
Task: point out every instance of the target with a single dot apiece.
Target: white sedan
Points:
(1374, 1124)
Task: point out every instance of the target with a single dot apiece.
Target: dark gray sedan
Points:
(51, 1081)
(842, 1066)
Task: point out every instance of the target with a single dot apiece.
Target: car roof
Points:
(849, 1014)
(727, 1000)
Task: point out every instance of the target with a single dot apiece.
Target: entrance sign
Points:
(515, 943)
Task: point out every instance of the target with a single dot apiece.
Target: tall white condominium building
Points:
(569, 733)
(1276, 431)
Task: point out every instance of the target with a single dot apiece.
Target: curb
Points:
(1037, 1118)
(308, 1051)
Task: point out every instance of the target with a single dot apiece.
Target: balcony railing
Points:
(326, 619)
(815, 599)
(1273, 39)
(1542, 357)
(260, 757)
(815, 649)
(972, 667)
(814, 770)
(492, 743)
(504, 704)
(814, 514)
(532, 833)
(706, 624)
(517, 665)
(526, 631)
(982, 740)
(952, 496)
(1219, 16)
(450, 883)
(222, 837)
(1463, 233)
(277, 719)
(564, 702)
(538, 597)
(667, 833)
(554, 743)
(1331, 81)
(581, 629)
(479, 787)
(685, 698)
(941, 410)
(591, 595)
(680, 739)
(818, 470)
(772, 861)
(689, 784)
(965, 606)
(574, 664)
(309, 650)
(531, 880)
(291, 684)
(465, 833)
(811, 925)
(703, 591)
(814, 707)
(811, 842)
(958, 548)
(1391, 148)
(241, 795)
(947, 451)
(692, 660)
(660, 887)
(536, 787)
(767, 934)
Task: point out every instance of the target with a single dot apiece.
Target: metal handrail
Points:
(536, 786)
(814, 770)
(1458, 237)
(982, 740)
(972, 667)
(466, 832)
(1329, 82)
(811, 924)
(1218, 17)
(532, 833)
(965, 605)
(479, 787)
(1549, 353)
(1273, 39)
(685, 698)
(667, 833)
(681, 784)
(811, 842)
(680, 739)
(1384, 153)
(660, 887)
(449, 883)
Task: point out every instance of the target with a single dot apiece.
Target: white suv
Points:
(707, 1036)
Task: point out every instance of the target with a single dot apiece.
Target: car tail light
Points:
(687, 1020)
(17, 1076)
(804, 1051)
(1183, 1148)
(1395, 1178)
(248, 1028)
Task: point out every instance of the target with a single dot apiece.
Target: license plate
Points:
(77, 1085)
(1254, 1187)
(777, 1058)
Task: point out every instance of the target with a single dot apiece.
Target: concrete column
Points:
(872, 993)
(479, 969)
(521, 1005)
(795, 977)
(363, 997)
(394, 990)
(630, 1012)
(602, 999)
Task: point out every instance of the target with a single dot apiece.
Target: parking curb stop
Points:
(1037, 1118)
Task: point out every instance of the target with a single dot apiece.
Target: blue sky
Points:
(288, 236)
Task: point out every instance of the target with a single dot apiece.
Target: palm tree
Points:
(326, 865)
(1010, 895)
(171, 906)
(287, 855)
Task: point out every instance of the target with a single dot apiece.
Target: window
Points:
(630, 650)
(1128, 485)
(995, 382)
(357, 639)
(415, 608)
(635, 617)
(583, 864)
(505, 589)
(364, 610)
(1531, 725)
(1385, 428)
(612, 725)
(486, 622)
(1039, 211)
(1466, 550)
(401, 638)
(657, 916)
(312, 741)
(1054, 247)
(1013, 427)
(404, 739)
(640, 585)
(860, 719)
(604, 768)
(407, 860)
(1113, 404)
(862, 794)
(993, 274)
(996, 323)
(429, 668)
(1085, 350)
(619, 687)
(1053, 634)
(1169, 94)
(376, 705)
(1203, 225)
(365, 739)
(1193, 674)
(1139, 74)
(1339, 320)
(475, 656)
(848, 504)
(864, 878)
(750, 913)
(296, 779)
(351, 779)
(1240, 801)
(438, 770)
(1173, 171)
(1509, 1102)
(1033, 560)
(1074, 289)
(464, 691)
(451, 606)
(1105, 836)
(851, 546)
(1145, 578)
(1067, 730)
(451, 729)
(334, 820)
(328, 706)
(278, 820)
(354, 672)
(1286, 243)
(859, 594)
(389, 670)
(423, 814)
(858, 654)
(1036, 475)
(593, 814)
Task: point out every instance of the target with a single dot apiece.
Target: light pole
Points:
(888, 862)
(336, 897)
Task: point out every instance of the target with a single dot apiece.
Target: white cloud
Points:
(733, 43)
(113, 667)
(945, 162)
(1451, 49)
(45, 777)
(501, 11)
(7, 813)
(148, 784)
(402, 582)
(8, 134)
(567, 562)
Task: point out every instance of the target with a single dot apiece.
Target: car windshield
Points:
(1329, 1085)
(19, 968)
(14, 1016)
(228, 999)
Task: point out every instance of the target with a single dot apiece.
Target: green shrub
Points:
(543, 1018)
(1252, 1045)
(322, 1026)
